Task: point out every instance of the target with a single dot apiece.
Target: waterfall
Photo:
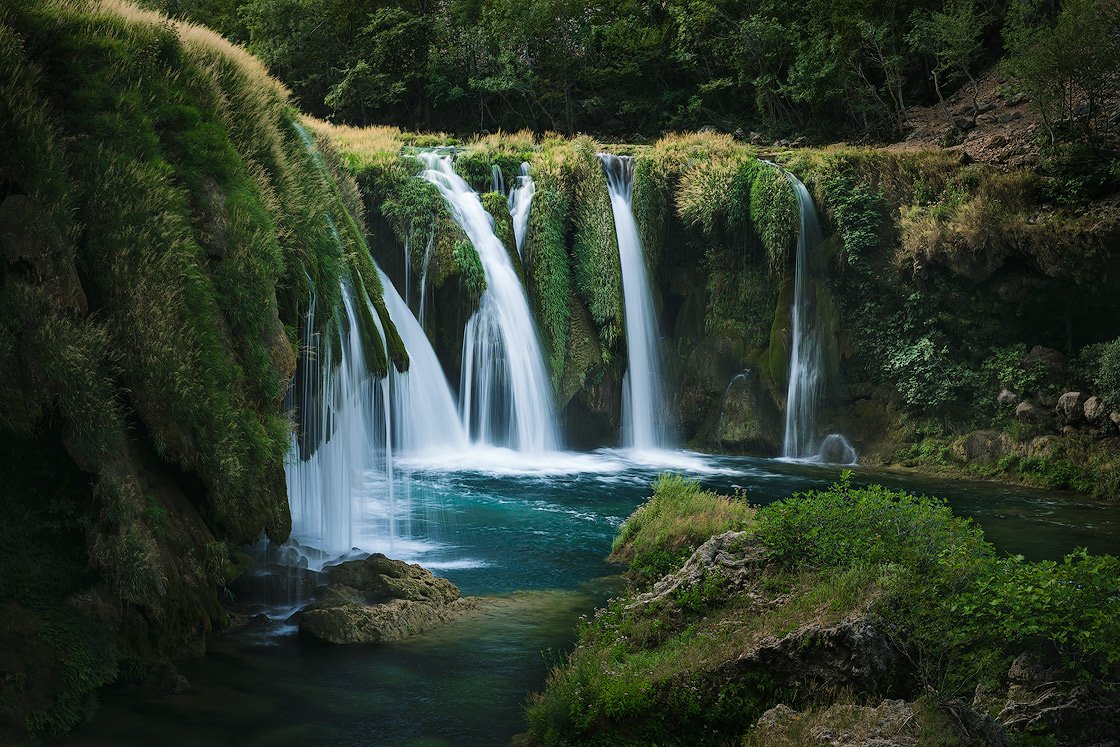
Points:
(645, 418)
(424, 413)
(806, 360)
(506, 394)
(497, 181)
(342, 448)
(520, 200)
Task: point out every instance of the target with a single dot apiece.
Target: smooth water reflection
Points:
(536, 533)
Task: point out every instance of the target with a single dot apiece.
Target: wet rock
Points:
(747, 420)
(394, 620)
(1096, 412)
(380, 578)
(1071, 408)
(378, 599)
(1007, 397)
(982, 446)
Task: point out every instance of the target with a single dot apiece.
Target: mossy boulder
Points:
(378, 599)
(380, 578)
(390, 621)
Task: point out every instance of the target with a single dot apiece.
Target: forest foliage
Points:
(648, 66)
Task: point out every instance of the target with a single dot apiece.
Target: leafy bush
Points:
(1100, 365)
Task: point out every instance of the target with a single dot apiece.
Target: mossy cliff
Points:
(161, 223)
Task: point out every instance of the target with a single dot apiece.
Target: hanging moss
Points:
(548, 277)
(497, 206)
(774, 216)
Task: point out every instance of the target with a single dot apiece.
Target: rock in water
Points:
(378, 599)
(379, 623)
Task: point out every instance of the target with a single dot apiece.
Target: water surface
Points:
(533, 531)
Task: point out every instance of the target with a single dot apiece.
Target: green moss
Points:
(497, 205)
(774, 216)
(548, 277)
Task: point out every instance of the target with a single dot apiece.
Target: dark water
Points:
(535, 535)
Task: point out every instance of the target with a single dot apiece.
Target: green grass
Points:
(665, 670)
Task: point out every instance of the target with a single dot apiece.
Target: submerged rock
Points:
(379, 623)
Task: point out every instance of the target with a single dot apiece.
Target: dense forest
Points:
(640, 67)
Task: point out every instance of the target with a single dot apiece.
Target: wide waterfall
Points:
(645, 418)
(520, 200)
(506, 395)
(806, 361)
(424, 413)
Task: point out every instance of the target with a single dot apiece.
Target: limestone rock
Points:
(379, 623)
(1096, 412)
(982, 446)
(380, 578)
(1028, 413)
(1008, 397)
(730, 555)
(1071, 408)
(745, 423)
(1042, 698)
(852, 654)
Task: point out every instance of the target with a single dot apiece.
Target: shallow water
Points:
(535, 532)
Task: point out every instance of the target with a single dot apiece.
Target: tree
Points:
(953, 40)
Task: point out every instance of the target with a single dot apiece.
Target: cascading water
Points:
(506, 394)
(806, 361)
(341, 454)
(645, 418)
(424, 412)
(520, 200)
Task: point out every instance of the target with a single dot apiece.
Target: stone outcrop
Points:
(378, 600)
(893, 723)
(982, 446)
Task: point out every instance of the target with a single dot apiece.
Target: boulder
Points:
(1096, 412)
(1008, 398)
(1041, 697)
(1043, 447)
(1028, 413)
(379, 623)
(1115, 418)
(380, 578)
(378, 599)
(1071, 408)
(982, 446)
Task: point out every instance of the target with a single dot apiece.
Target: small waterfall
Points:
(424, 413)
(497, 180)
(645, 418)
(506, 394)
(806, 360)
(520, 200)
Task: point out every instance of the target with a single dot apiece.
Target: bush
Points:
(1100, 365)
(678, 518)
